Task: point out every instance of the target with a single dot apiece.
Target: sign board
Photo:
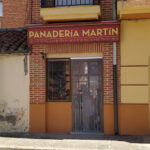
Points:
(74, 33)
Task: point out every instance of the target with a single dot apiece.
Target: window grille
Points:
(62, 3)
(58, 80)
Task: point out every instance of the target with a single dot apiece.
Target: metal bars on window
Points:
(58, 80)
(62, 3)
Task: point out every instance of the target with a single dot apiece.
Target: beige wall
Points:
(134, 3)
(134, 112)
(135, 49)
(14, 94)
(135, 52)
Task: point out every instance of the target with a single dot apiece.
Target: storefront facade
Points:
(71, 77)
(79, 47)
(81, 71)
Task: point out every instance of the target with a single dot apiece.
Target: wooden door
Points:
(87, 95)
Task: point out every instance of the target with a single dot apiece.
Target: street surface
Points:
(73, 142)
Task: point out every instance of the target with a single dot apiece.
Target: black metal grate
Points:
(58, 80)
(62, 3)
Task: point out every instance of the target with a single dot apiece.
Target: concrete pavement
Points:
(73, 142)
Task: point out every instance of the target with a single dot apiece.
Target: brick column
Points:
(106, 10)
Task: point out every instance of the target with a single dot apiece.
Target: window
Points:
(1, 9)
(58, 80)
(72, 2)
(63, 3)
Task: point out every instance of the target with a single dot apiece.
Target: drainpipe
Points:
(115, 73)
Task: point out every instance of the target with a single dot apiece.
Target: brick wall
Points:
(37, 76)
(1, 21)
(15, 13)
(38, 67)
(35, 7)
(106, 10)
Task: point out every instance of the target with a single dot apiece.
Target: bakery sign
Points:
(70, 33)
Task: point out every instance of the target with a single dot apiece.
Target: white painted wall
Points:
(14, 94)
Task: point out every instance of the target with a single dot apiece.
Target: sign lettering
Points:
(87, 33)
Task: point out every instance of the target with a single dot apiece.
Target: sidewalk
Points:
(73, 142)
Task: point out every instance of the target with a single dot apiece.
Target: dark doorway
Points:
(87, 94)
